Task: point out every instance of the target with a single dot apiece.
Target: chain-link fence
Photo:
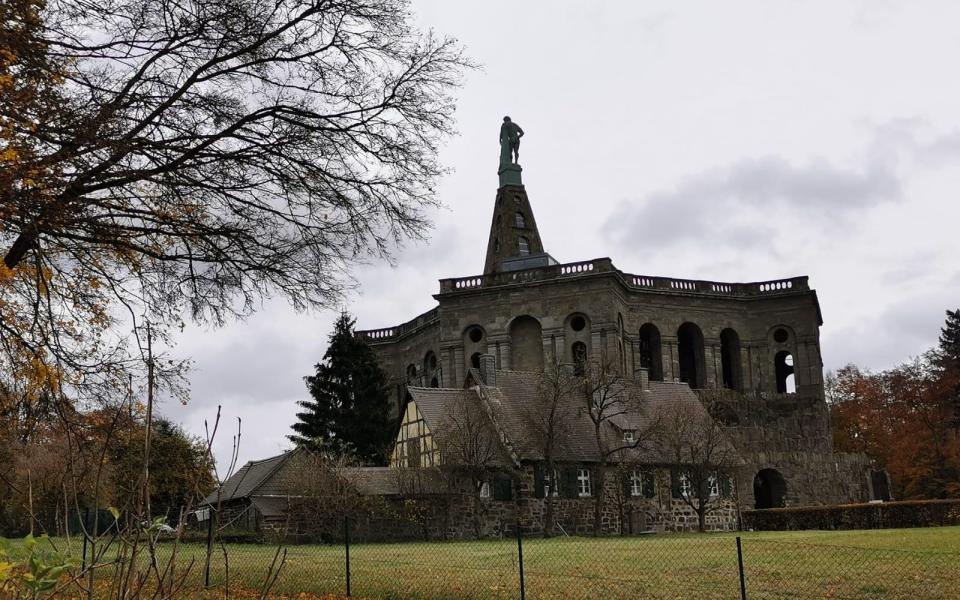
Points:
(748, 565)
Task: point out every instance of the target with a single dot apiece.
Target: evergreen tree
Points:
(949, 350)
(349, 409)
(947, 357)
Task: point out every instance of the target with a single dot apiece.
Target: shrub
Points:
(911, 513)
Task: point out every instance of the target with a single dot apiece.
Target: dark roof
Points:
(389, 481)
(248, 479)
(512, 406)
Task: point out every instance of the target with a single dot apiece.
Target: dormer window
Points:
(628, 437)
(519, 221)
(524, 246)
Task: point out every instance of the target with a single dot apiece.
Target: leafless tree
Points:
(550, 419)
(610, 398)
(203, 156)
(470, 448)
(701, 453)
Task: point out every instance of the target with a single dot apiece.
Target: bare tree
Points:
(703, 457)
(550, 419)
(469, 448)
(200, 156)
(609, 399)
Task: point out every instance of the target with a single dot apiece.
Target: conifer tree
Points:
(949, 350)
(349, 409)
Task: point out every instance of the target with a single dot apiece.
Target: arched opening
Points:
(691, 356)
(579, 353)
(434, 383)
(519, 221)
(475, 360)
(523, 245)
(430, 369)
(730, 360)
(783, 370)
(526, 342)
(411, 373)
(769, 489)
(650, 356)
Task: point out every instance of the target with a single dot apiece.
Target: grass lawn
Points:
(893, 563)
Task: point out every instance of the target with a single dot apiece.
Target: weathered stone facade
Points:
(752, 349)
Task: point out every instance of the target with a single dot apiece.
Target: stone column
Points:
(461, 372)
(671, 364)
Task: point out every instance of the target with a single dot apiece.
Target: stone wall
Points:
(460, 513)
(791, 434)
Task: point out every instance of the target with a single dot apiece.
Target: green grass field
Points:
(895, 563)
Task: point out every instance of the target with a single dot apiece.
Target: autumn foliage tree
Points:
(904, 419)
(162, 159)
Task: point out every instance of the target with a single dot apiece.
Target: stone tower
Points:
(514, 241)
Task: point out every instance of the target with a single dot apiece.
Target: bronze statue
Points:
(510, 134)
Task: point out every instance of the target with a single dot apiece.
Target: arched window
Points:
(526, 342)
(579, 353)
(434, 383)
(475, 360)
(411, 373)
(730, 360)
(650, 356)
(691, 355)
(784, 372)
(519, 221)
(524, 246)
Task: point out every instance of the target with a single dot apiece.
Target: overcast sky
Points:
(732, 141)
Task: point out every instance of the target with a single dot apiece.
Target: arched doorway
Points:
(769, 489)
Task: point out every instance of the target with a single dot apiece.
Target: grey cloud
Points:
(735, 203)
(904, 330)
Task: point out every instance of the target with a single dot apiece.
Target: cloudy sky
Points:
(733, 141)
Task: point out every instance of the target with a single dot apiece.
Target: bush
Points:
(911, 513)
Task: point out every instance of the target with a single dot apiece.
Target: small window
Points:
(485, 489)
(578, 323)
(628, 437)
(524, 245)
(686, 487)
(780, 336)
(519, 221)
(583, 483)
(551, 490)
(476, 334)
(475, 360)
(713, 484)
(641, 483)
(579, 352)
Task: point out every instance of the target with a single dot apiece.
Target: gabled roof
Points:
(248, 479)
(512, 404)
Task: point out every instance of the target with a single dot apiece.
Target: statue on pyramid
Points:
(510, 134)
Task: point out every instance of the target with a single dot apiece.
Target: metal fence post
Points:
(86, 536)
(743, 581)
(206, 565)
(520, 558)
(346, 541)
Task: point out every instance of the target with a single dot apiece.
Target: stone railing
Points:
(390, 333)
(605, 265)
(777, 286)
(576, 269)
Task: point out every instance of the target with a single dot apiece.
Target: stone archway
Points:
(769, 489)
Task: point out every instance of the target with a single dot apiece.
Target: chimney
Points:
(642, 376)
(488, 370)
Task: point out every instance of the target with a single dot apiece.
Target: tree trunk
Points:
(598, 505)
(701, 516)
(548, 498)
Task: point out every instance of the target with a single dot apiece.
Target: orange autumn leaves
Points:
(905, 419)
